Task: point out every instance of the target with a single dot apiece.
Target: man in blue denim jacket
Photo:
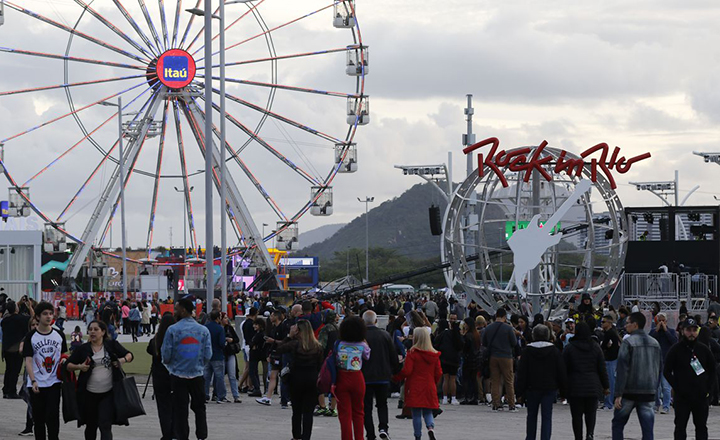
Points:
(186, 350)
(638, 369)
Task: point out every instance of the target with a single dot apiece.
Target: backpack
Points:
(328, 372)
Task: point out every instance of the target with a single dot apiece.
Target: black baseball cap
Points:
(690, 322)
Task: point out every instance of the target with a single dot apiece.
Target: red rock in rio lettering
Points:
(517, 160)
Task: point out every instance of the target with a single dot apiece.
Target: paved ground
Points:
(248, 420)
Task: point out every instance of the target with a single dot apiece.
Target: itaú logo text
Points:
(175, 68)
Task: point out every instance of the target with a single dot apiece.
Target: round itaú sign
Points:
(175, 68)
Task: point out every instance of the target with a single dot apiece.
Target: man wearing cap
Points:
(690, 370)
(569, 331)
(637, 373)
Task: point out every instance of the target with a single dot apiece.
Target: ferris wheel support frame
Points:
(110, 193)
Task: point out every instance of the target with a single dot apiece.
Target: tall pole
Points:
(367, 241)
(223, 165)
(122, 199)
(677, 188)
(209, 248)
(470, 216)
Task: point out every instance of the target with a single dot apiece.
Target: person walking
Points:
(638, 368)
(471, 361)
(352, 351)
(666, 337)
(541, 374)
(421, 372)
(161, 378)
(326, 337)
(145, 318)
(88, 313)
(215, 369)
(134, 319)
(124, 314)
(61, 317)
(307, 358)
(14, 328)
(42, 350)
(232, 348)
(256, 355)
(279, 331)
(186, 350)
(500, 340)
(378, 371)
(449, 343)
(610, 348)
(690, 370)
(587, 380)
(99, 361)
(248, 331)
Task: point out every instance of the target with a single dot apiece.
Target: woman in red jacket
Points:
(421, 373)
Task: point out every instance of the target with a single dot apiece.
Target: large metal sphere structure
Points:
(283, 154)
(483, 215)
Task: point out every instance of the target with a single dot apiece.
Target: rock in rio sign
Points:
(175, 68)
(517, 160)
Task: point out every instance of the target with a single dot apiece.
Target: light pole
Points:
(121, 164)
(367, 201)
(207, 14)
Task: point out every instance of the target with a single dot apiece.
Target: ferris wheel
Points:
(288, 134)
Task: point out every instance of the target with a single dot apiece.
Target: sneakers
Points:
(255, 394)
(664, 411)
(284, 406)
(383, 435)
(444, 401)
(497, 408)
(27, 432)
(237, 400)
(223, 400)
(331, 413)
(264, 401)
(454, 401)
(395, 395)
(320, 411)
(431, 434)
(513, 409)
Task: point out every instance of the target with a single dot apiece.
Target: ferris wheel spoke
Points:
(156, 186)
(135, 26)
(286, 57)
(176, 25)
(189, 25)
(250, 10)
(45, 124)
(272, 30)
(66, 152)
(64, 86)
(69, 58)
(74, 31)
(281, 118)
(163, 23)
(113, 28)
(183, 166)
(151, 25)
(304, 174)
(284, 87)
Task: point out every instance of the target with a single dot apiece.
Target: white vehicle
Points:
(398, 289)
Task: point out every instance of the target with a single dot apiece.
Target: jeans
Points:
(418, 414)
(215, 371)
(663, 393)
(254, 375)
(230, 362)
(46, 412)
(645, 413)
(378, 391)
(470, 386)
(13, 366)
(698, 407)
(164, 400)
(611, 367)
(579, 407)
(535, 400)
(188, 391)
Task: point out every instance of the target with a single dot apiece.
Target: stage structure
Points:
(274, 130)
(550, 226)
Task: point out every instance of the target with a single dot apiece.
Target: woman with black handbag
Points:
(232, 347)
(99, 361)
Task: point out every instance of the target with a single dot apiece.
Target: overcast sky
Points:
(641, 75)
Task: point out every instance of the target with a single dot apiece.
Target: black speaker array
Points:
(435, 223)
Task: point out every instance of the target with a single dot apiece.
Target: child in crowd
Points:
(76, 338)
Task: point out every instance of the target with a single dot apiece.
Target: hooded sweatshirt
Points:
(680, 374)
(541, 368)
(585, 365)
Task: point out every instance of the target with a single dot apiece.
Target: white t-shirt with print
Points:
(101, 374)
(45, 350)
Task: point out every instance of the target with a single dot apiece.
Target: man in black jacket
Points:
(14, 329)
(610, 347)
(378, 370)
(690, 369)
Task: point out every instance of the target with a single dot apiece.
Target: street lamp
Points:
(121, 164)
(367, 201)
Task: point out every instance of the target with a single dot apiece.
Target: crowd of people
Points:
(329, 358)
